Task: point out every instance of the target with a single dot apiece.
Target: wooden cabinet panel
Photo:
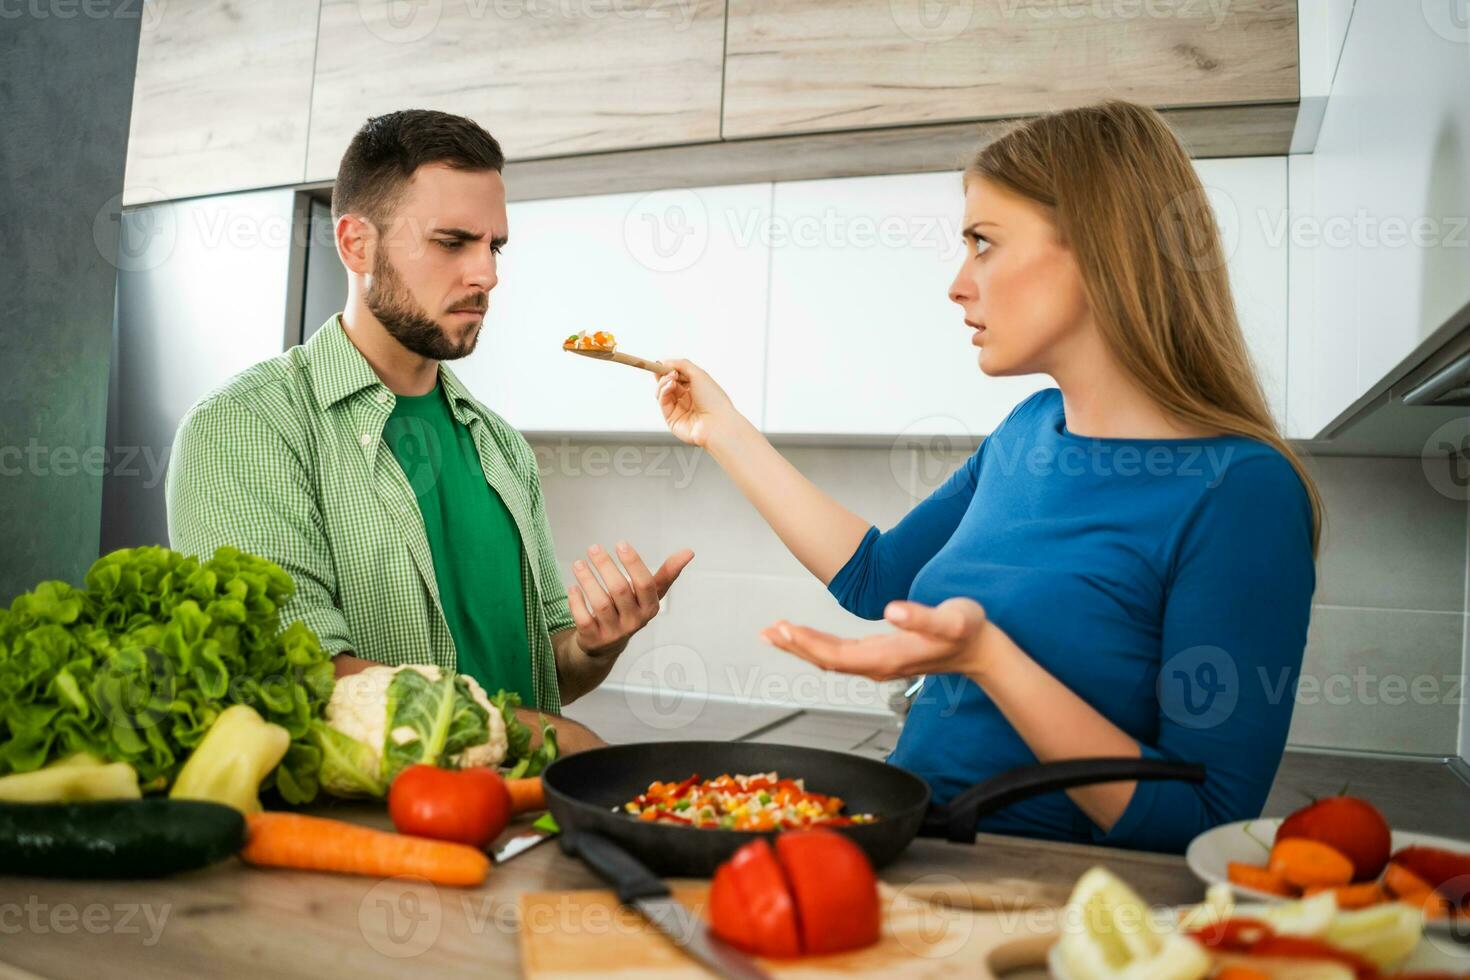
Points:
(545, 79)
(812, 65)
(221, 97)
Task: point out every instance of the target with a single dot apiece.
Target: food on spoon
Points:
(763, 801)
(815, 894)
(1350, 825)
(599, 340)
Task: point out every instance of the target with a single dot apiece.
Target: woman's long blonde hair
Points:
(1129, 206)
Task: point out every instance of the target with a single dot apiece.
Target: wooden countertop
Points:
(234, 920)
(231, 919)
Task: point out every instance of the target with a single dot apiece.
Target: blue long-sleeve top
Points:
(1166, 582)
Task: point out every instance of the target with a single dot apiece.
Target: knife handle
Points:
(617, 867)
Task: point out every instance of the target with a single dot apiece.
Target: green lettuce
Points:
(518, 739)
(136, 665)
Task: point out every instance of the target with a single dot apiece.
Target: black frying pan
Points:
(586, 792)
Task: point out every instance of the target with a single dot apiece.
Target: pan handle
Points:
(956, 821)
(616, 866)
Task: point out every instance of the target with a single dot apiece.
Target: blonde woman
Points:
(1125, 567)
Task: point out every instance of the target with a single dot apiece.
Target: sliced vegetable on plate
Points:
(1340, 845)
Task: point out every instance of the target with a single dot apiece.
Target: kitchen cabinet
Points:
(810, 65)
(672, 274)
(1380, 245)
(860, 273)
(221, 97)
(545, 79)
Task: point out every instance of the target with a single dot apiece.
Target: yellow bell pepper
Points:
(239, 750)
(75, 779)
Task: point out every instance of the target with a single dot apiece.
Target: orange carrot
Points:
(1431, 903)
(1261, 879)
(526, 794)
(1403, 882)
(1237, 972)
(294, 840)
(1304, 862)
(1353, 896)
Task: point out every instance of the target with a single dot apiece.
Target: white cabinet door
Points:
(864, 339)
(678, 273)
(1387, 232)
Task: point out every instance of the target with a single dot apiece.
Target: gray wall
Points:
(66, 92)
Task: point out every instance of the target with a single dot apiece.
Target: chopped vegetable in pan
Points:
(763, 801)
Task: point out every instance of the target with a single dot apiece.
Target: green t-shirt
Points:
(473, 538)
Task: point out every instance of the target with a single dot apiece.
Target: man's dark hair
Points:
(389, 148)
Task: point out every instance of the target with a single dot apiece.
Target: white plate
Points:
(1249, 841)
(1429, 956)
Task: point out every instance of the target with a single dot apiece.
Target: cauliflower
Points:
(383, 719)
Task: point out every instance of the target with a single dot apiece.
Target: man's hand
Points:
(571, 736)
(609, 611)
(348, 663)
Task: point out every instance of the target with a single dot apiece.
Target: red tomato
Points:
(1302, 948)
(1232, 935)
(754, 883)
(727, 914)
(1348, 824)
(470, 806)
(1448, 872)
(835, 889)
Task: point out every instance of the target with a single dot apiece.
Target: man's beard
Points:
(389, 300)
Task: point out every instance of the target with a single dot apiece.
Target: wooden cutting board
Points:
(578, 934)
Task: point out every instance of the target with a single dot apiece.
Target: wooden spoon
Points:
(657, 367)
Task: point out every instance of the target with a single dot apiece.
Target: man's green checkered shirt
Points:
(286, 460)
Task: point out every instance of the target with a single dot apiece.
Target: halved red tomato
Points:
(836, 892)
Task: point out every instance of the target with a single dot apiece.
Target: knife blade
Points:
(541, 831)
(643, 890)
(690, 934)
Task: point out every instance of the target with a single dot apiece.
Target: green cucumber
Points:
(116, 838)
